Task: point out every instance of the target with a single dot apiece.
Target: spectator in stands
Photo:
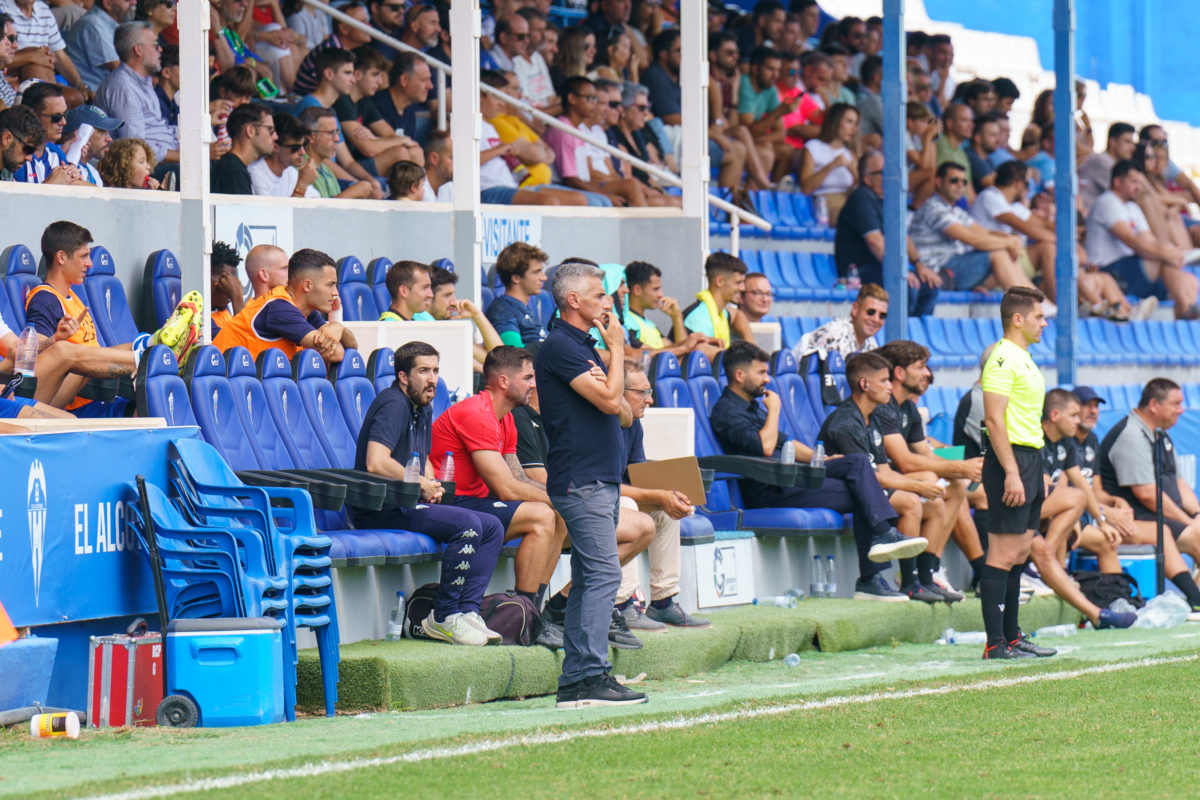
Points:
(631, 135)
(616, 60)
(8, 52)
(387, 16)
(90, 42)
(583, 467)
(763, 29)
(808, 12)
(921, 151)
(571, 155)
(404, 105)
(1119, 241)
(446, 305)
(958, 123)
(985, 139)
(710, 315)
(816, 72)
(20, 135)
(266, 268)
(576, 51)
(1164, 209)
(941, 58)
(128, 92)
(666, 508)
(521, 268)
(293, 317)
(37, 36)
(252, 129)
(311, 23)
(532, 69)
(1177, 179)
(480, 434)
(743, 426)
(343, 36)
(838, 89)
(439, 168)
(761, 111)
(411, 288)
(978, 95)
(1095, 172)
(422, 29)
(859, 243)
(398, 424)
(225, 290)
(235, 43)
(159, 13)
(909, 452)
(534, 157)
(1043, 160)
(853, 333)
(756, 299)
(1002, 207)
(56, 313)
(870, 102)
(98, 142)
(49, 163)
(406, 181)
(738, 148)
(828, 167)
(958, 249)
(128, 164)
(324, 141)
(287, 171)
(662, 78)
(1127, 471)
(645, 293)
(512, 42)
(367, 134)
(1003, 151)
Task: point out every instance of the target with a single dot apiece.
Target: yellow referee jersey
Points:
(1010, 371)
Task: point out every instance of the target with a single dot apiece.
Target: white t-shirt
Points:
(495, 172)
(264, 182)
(840, 179)
(1102, 247)
(444, 194)
(534, 77)
(990, 204)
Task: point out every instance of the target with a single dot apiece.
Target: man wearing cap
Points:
(99, 128)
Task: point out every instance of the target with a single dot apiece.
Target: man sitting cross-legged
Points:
(479, 433)
(854, 428)
(292, 317)
(1068, 494)
(70, 351)
(746, 428)
(398, 424)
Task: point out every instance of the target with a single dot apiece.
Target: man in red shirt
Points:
(479, 432)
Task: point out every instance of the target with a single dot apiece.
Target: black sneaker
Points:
(947, 595)
(877, 588)
(916, 591)
(1023, 642)
(556, 615)
(893, 544)
(1003, 651)
(551, 635)
(619, 635)
(597, 690)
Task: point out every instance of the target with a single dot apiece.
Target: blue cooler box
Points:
(231, 667)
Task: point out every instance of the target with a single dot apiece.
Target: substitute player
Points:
(1013, 391)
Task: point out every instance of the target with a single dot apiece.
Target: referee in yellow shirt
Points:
(1013, 391)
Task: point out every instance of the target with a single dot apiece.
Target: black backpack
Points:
(507, 613)
(418, 608)
(1103, 588)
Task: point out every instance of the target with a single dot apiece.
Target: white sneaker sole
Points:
(908, 548)
(900, 598)
(567, 705)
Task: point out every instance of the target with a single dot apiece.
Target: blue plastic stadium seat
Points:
(251, 405)
(354, 390)
(323, 409)
(377, 270)
(358, 299)
(486, 296)
(161, 392)
(215, 409)
(107, 301)
(20, 275)
(799, 421)
(543, 304)
(381, 368)
(161, 288)
(791, 331)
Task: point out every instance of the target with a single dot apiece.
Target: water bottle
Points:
(789, 452)
(796, 593)
(821, 209)
(951, 636)
(853, 281)
(818, 456)
(779, 601)
(27, 351)
(448, 468)
(412, 473)
(816, 586)
(1056, 630)
(830, 577)
(791, 660)
(395, 626)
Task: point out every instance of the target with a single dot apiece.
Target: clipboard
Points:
(681, 474)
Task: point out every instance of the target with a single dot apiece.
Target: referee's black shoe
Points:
(1023, 642)
(1004, 650)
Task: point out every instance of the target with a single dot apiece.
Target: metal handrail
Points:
(737, 215)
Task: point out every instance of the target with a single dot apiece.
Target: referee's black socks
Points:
(993, 586)
(1188, 586)
(1012, 603)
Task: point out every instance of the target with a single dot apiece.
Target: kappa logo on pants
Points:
(470, 534)
(467, 550)
(463, 565)
(459, 581)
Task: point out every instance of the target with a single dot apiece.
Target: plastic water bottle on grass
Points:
(779, 601)
(1056, 630)
(816, 578)
(830, 577)
(412, 472)
(791, 660)
(951, 636)
(395, 626)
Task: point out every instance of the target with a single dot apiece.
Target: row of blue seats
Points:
(792, 216)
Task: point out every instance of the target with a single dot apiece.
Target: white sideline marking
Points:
(681, 722)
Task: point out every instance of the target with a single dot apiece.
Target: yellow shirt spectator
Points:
(511, 127)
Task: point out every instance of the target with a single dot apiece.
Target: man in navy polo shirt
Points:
(522, 270)
(583, 469)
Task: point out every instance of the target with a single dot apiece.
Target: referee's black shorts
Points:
(1007, 519)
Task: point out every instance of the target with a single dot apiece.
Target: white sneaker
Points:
(481, 626)
(1035, 587)
(942, 582)
(455, 629)
(1144, 309)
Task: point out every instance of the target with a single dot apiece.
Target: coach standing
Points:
(1013, 391)
(583, 467)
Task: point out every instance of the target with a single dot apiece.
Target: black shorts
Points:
(1027, 517)
(502, 510)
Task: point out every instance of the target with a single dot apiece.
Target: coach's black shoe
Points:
(1004, 650)
(893, 544)
(619, 635)
(1023, 642)
(597, 690)
(917, 591)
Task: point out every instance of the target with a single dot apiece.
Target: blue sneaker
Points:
(877, 588)
(1116, 619)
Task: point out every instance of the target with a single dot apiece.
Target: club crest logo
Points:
(36, 509)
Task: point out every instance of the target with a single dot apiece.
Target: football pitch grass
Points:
(1113, 714)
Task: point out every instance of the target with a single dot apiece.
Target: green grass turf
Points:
(409, 675)
(1127, 733)
(109, 760)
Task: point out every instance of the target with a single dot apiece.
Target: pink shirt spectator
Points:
(810, 111)
(570, 154)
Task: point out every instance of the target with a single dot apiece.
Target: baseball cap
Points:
(1087, 394)
(90, 115)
